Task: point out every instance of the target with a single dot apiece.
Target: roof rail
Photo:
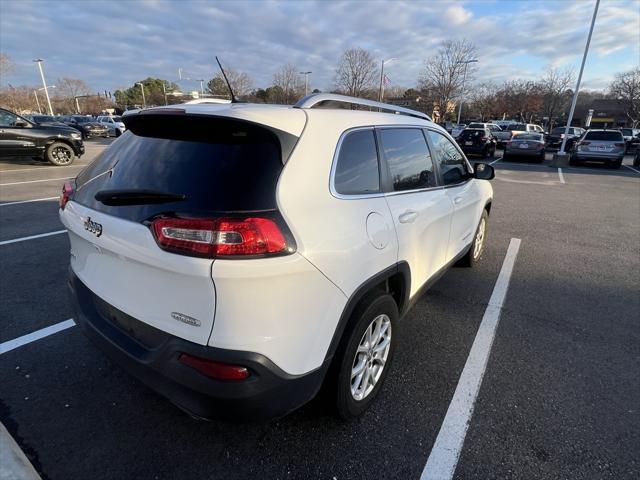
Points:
(315, 98)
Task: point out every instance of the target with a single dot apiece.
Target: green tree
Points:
(153, 93)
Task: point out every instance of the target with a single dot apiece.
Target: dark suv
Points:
(87, 126)
(477, 141)
(20, 137)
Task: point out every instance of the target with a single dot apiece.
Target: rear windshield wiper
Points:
(136, 197)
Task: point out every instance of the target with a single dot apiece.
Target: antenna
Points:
(233, 97)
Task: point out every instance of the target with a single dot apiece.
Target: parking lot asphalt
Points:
(560, 392)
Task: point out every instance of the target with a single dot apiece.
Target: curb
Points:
(14, 465)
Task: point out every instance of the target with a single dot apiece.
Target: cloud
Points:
(114, 44)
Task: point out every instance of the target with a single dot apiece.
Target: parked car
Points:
(636, 158)
(606, 146)
(525, 144)
(629, 134)
(457, 129)
(250, 283)
(554, 139)
(87, 126)
(45, 120)
(503, 137)
(113, 123)
(56, 144)
(477, 141)
(491, 126)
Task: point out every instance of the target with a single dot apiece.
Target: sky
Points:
(112, 44)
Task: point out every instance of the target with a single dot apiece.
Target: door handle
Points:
(408, 217)
(457, 200)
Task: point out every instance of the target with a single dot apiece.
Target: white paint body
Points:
(286, 308)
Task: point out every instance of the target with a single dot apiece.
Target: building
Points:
(607, 113)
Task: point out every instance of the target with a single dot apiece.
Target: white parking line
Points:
(36, 169)
(444, 456)
(637, 171)
(33, 336)
(561, 175)
(28, 201)
(495, 161)
(34, 181)
(32, 237)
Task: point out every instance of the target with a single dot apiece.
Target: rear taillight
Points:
(65, 196)
(220, 237)
(212, 369)
(619, 144)
(483, 139)
(584, 142)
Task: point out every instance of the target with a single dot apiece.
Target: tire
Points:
(492, 152)
(473, 256)
(542, 156)
(60, 154)
(504, 154)
(351, 398)
(118, 132)
(615, 165)
(572, 161)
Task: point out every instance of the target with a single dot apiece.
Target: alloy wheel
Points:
(371, 357)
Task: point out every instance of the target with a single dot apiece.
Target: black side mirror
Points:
(483, 171)
(20, 124)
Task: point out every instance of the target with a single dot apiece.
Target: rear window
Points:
(528, 136)
(473, 133)
(627, 132)
(476, 125)
(558, 131)
(521, 127)
(219, 165)
(610, 136)
(357, 168)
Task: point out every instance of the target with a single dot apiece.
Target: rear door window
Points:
(408, 158)
(357, 169)
(219, 165)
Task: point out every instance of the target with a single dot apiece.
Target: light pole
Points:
(201, 86)
(77, 105)
(381, 92)
(464, 79)
(144, 102)
(44, 84)
(164, 91)
(561, 155)
(306, 81)
(35, 94)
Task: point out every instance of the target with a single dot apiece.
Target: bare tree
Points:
(520, 99)
(290, 86)
(444, 73)
(66, 91)
(482, 104)
(6, 65)
(626, 88)
(356, 73)
(555, 90)
(241, 83)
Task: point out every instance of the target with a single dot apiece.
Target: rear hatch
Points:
(473, 138)
(603, 142)
(167, 167)
(527, 141)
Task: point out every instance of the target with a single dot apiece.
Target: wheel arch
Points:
(394, 280)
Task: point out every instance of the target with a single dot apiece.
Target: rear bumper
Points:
(598, 157)
(474, 150)
(525, 152)
(151, 355)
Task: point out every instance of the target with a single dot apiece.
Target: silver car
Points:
(605, 146)
(113, 123)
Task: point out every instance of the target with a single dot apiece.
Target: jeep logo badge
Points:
(93, 227)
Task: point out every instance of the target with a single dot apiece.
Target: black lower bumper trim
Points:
(152, 356)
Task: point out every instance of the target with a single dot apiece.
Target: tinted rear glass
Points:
(476, 125)
(558, 131)
(219, 165)
(473, 133)
(517, 126)
(357, 168)
(627, 132)
(611, 136)
(528, 136)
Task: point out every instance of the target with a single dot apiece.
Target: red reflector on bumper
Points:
(217, 370)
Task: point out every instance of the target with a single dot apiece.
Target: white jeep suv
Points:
(237, 257)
